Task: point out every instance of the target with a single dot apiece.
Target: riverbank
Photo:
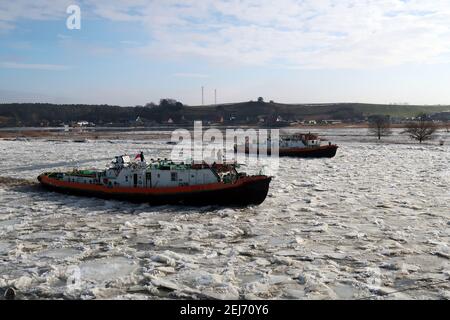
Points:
(334, 133)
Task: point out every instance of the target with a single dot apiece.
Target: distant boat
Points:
(298, 145)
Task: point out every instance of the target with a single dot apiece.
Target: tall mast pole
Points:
(203, 101)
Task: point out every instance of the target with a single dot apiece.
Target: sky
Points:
(291, 51)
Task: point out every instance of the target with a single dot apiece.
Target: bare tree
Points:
(380, 126)
(422, 129)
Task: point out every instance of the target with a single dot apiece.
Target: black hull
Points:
(248, 193)
(328, 152)
(322, 152)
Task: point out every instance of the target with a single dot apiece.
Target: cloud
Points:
(20, 96)
(129, 42)
(293, 34)
(288, 33)
(12, 11)
(19, 45)
(5, 26)
(32, 66)
(63, 37)
(191, 75)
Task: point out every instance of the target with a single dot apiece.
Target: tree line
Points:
(421, 129)
(250, 112)
(44, 114)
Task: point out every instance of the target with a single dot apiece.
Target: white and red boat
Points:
(299, 145)
(163, 182)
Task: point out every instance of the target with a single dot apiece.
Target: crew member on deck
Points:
(142, 156)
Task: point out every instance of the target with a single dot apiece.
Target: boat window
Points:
(126, 178)
(174, 176)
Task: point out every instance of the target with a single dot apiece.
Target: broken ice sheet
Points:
(330, 217)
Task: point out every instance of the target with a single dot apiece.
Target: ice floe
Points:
(367, 223)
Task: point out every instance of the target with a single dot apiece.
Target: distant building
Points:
(139, 120)
(84, 124)
(332, 121)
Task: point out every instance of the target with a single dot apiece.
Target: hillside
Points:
(400, 111)
(233, 113)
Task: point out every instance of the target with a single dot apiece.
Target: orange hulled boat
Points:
(163, 182)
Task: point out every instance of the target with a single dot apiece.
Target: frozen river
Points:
(371, 223)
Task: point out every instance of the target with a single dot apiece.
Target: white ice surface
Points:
(373, 220)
